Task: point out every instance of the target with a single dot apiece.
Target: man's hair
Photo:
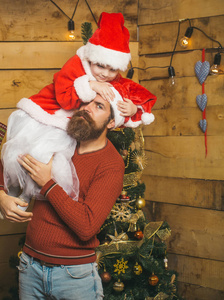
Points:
(111, 116)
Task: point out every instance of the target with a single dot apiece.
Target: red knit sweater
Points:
(64, 231)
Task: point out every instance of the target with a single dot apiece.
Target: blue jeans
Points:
(74, 282)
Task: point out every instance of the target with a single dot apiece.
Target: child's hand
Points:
(127, 108)
(103, 89)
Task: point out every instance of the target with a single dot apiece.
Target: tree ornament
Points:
(165, 263)
(120, 266)
(140, 203)
(105, 276)
(138, 235)
(123, 197)
(19, 253)
(124, 153)
(137, 269)
(153, 279)
(140, 159)
(120, 212)
(118, 286)
(118, 237)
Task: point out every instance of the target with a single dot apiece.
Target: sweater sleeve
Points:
(86, 216)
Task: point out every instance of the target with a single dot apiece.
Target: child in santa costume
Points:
(38, 127)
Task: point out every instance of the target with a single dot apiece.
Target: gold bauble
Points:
(124, 237)
(137, 269)
(140, 203)
(118, 286)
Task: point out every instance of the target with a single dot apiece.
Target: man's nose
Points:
(87, 107)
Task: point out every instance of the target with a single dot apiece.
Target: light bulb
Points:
(71, 28)
(172, 80)
(214, 70)
(185, 40)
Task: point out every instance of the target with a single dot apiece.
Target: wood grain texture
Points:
(152, 12)
(206, 273)
(42, 21)
(184, 157)
(183, 94)
(161, 38)
(185, 122)
(183, 63)
(195, 232)
(197, 292)
(185, 192)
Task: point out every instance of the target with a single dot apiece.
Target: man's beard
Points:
(84, 129)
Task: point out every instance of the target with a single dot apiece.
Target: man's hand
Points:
(103, 89)
(10, 211)
(38, 171)
(127, 108)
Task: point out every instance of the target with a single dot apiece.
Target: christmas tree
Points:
(132, 257)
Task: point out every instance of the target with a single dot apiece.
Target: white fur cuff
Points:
(83, 90)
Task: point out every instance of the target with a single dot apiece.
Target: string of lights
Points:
(71, 23)
(184, 42)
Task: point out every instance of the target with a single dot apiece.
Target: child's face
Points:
(103, 73)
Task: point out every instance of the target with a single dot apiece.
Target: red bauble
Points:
(138, 235)
(106, 277)
(153, 280)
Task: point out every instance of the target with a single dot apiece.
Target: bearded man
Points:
(58, 259)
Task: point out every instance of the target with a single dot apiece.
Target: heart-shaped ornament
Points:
(203, 125)
(202, 70)
(201, 101)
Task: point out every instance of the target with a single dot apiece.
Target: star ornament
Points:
(140, 160)
(120, 266)
(117, 238)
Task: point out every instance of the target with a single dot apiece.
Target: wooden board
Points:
(185, 122)
(183, 63)
(195, 232)
(4, 114)
(201, 272)
(42, 21)
(154, 11)
(161, 38)
(48, 55)
(9, 247)
(197, 292)
(182, 191)
(184, 94)
(7, 228)
(18, 84)
(184, 157)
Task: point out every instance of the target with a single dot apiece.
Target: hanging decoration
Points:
(202, 69)
(120, 266)
(71, 23)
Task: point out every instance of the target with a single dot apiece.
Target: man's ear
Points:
(111, 124)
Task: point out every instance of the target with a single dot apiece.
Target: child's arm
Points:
(127, 108)
(103, 88)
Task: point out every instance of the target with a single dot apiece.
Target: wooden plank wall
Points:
(184, 187)
(33, 46)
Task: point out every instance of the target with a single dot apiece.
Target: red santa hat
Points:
(141, 116)
(109, 45)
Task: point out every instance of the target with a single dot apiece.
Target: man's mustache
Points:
(84, 114)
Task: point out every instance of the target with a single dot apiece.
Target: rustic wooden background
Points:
(182, 186)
